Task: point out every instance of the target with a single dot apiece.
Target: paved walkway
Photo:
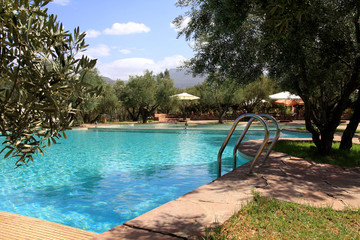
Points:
(14, 226)
(286, 178)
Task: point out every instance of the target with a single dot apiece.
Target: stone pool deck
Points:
(18, 227)
(285, 177)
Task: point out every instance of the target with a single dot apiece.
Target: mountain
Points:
(108, 80)
(183, 79)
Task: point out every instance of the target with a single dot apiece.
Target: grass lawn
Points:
(307, 150)
(264, 218)
(337, 130)
(342, 130)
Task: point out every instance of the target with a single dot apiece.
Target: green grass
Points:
(341, 130)
(307, 150)
(265, 218)
(217, 123)
(301, 128)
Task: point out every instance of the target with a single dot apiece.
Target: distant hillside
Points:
(108, 80)
(182, 79)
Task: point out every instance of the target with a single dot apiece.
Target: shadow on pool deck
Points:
(285, 178)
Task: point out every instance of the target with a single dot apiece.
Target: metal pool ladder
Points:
(260, 118)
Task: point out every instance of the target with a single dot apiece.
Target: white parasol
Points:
(185, 96)
(287, 99)
(284, 95)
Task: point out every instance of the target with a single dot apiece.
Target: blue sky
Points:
(126, 36)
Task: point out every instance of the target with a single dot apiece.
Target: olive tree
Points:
(220, 94)
(87, 112)
(143, 94)
(40, 76)
(311, 47)
(108, 103)
(254, 94)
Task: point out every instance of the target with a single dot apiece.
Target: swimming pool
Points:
(191, 126)
(96, 180)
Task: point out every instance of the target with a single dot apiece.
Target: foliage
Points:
(90, 104)
(255, 93)
(347, 137)
(39, 77)
(267, 218)
(220, 30)
(106, 104)
(188, 108)
(142, 95)
(219, 94)
(118, 87)
(224, 96)
(165, 88)
(121, 110)
(306, 150)
(311, 47)
(320, 61)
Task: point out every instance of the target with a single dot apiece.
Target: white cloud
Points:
(123, 68)
(91, 33)
(61, 2)
(119, 29)
(125, 51)
(100, 50)
(170, 62)
(126, 28)
(183, 25)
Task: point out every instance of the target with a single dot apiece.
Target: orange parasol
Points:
(290, 102)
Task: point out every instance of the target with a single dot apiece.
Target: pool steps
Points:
(252, 116)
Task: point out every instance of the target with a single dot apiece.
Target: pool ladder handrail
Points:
(275, 139)
(252, 116)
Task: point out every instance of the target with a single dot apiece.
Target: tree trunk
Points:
(346, 139)
(221, 116)
(326, 141)
(144, 115)
(133, 115)
(96, 119)
(309, 126)
(322, 136)
(144, 118)
(137, 116)
(86, 118)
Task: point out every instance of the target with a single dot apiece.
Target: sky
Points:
(126, 36)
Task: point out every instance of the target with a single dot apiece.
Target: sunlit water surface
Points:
(96, 180)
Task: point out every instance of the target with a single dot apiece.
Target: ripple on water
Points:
(97, 180)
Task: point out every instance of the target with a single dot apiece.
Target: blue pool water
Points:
(96, 180)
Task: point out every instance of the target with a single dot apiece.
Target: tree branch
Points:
(357, 27)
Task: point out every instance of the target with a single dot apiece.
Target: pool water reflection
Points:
(96, 180)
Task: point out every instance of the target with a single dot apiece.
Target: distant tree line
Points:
(142, 95)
